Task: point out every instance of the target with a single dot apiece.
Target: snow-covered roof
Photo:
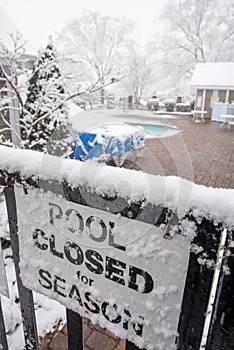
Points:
(8, 27)
(213, 75)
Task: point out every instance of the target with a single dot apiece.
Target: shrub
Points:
(169, 106)
(152, 104)
(183, 107)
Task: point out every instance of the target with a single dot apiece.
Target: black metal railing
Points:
(198, 280)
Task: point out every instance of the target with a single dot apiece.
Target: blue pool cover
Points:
(107, 141)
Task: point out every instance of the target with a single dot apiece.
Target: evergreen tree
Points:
(45, 119)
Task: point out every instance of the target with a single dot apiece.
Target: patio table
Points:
(198, 115)
(228, 120)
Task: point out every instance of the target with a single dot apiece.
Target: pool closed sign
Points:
(118, 272)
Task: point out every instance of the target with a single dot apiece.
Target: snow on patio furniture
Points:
(229, 124)
(227, 120)
(198, 115)
(108, 141)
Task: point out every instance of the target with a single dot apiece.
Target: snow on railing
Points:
(171, 192)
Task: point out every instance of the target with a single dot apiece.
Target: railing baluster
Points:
(74, 330)
(25, 295)
(221, 334)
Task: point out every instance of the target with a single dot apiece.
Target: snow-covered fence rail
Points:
(136, 253)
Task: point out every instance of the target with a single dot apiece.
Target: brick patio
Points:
(202, 153)
(95, 338)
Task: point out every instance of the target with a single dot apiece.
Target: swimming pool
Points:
(157, 130)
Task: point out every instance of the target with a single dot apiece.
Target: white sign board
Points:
(120, 273)
(3, 280)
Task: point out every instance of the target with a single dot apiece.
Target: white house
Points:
(214, 84)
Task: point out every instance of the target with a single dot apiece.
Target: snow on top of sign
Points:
(213, 74)
(28, 162)
(172, 192)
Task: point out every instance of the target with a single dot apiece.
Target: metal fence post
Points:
(221, 334)
(197, 287)
(74, 330)
(25, 295)
(130, 346)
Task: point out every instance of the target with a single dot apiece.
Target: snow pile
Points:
(173, 192)
(48, 312)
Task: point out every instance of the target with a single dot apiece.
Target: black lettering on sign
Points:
(80, 221)
(55, 212)
(95, 308)
(98, 221)
(73, 253)
(112, 238)
(58, 286)
(53, 249)
(94, 265)
(115, 270)
(39, 233)
(137, 325)
(46, 277)
(75, 294)
(140, 280)
(106, 310)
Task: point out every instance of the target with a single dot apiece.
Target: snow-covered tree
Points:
(138, 73)
(33, 100)
(14, 65)
(45, 117)
(193, 31)
(99, 42)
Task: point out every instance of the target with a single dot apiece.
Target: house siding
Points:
(211, 97)
(222, 95)
(231, 96)
(208, 102)
(199, 99)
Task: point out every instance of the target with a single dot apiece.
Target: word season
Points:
(91, 304)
